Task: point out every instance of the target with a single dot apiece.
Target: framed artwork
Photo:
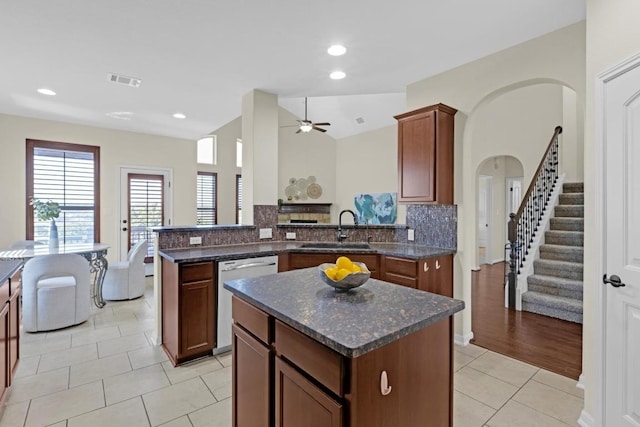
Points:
(376, 208)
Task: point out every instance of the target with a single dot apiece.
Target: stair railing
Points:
(523, 224)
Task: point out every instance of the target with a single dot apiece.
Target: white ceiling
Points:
(200, 57)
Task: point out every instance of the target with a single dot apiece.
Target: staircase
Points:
(555, 288)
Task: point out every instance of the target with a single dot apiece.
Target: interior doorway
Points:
(485, 188)
(144, 202)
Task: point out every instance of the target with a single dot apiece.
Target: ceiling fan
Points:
(307, 125)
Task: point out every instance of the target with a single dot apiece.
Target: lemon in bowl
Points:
(344, 274)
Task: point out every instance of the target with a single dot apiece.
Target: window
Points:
(238, 199)
(239, 153)
(207, 198)
(207, 150)
(68, 174)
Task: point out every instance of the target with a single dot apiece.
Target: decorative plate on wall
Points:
(314, 190)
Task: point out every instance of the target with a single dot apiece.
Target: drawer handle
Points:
(385, 388)
(425, 267)
(437, 265)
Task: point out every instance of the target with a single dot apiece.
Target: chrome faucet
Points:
(341, 236)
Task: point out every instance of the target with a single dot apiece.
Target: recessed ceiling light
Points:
(179, 116)
(337, 75)
(336, 50)
(46, 91)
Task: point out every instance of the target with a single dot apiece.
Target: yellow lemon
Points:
(331, 273)
(342, 273)
(343, 262)
(355, 268)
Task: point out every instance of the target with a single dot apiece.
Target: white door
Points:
(484, 218)
(622, 248)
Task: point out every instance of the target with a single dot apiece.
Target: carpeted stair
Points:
(555, 288)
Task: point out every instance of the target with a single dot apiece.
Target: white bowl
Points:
(351, 281)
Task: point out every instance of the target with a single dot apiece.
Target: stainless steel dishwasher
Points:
(232, 270)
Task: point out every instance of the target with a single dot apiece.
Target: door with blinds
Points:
(145, 208)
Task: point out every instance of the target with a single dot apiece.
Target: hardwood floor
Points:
(552, 344)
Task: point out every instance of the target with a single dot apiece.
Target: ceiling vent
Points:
(124, 80)
(359, 120)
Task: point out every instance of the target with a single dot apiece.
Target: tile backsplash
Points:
(435, 225)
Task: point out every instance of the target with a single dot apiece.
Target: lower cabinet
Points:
(188, 310)
(285, 378)
(5, 375)
(10, 318)
(433, 275)
(15, 317)
(305, 260)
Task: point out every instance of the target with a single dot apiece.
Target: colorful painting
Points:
(376, 208)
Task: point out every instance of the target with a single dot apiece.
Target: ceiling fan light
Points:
(306, 127)
(337, 50)
(337, 75)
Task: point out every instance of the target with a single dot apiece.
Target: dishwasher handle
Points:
(249, 265)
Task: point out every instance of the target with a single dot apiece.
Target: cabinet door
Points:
(297, 261)
(417, 158)
(198, 322)
(4, 366)
(15, 313)
(300, 403)
(251, 373)
(436, 275)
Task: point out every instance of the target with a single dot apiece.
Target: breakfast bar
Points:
(304, 354)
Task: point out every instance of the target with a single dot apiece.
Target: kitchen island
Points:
(305, 355)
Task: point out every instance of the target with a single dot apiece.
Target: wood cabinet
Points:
(285, 378)
(305, 260)
(433, 275)
(425, 155)
(188, 310)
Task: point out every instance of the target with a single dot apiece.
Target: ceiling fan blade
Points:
(299, 130)
(322, 124)
(320, 129)
(290, 126)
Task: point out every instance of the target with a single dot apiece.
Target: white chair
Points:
(55, 292)
(125, 279)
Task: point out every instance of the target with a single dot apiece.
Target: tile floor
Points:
(105, 372)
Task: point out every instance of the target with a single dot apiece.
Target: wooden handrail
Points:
(534, 179)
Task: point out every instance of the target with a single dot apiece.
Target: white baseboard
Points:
(586, 420)
(495, 261)
(463, 340)
(580, 382)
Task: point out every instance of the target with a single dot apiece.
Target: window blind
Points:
(146, 207)
(65, 177)
(238, 199)
(207, 198)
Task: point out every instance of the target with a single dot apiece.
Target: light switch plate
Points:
(291, 236)
(266, 233)
(411, 236)
(195, 240)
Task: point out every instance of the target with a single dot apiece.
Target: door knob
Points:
(613, 281)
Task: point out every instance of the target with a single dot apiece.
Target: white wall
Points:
(367, 163)
(613, 35)
(117, 148)
(301, 155)
(226, 169)
(556, 57)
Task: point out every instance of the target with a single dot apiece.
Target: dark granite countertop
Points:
(351, 323)
(7, 268)
(228, 252)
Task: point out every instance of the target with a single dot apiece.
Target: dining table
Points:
(94, 253)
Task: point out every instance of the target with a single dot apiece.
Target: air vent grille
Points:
(124, 80)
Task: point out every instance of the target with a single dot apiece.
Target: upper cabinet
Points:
(425, 155)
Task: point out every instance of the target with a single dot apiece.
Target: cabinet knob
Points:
(385, 388)
(437, 265)
(425, 266)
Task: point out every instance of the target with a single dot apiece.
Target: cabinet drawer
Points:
(15, 282)
(4, 293)
(400, 266)
(320, 362)
(197, 271)
(398, 279)
(370, 260)
(251, 318)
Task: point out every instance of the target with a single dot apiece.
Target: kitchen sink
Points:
(335, 245)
